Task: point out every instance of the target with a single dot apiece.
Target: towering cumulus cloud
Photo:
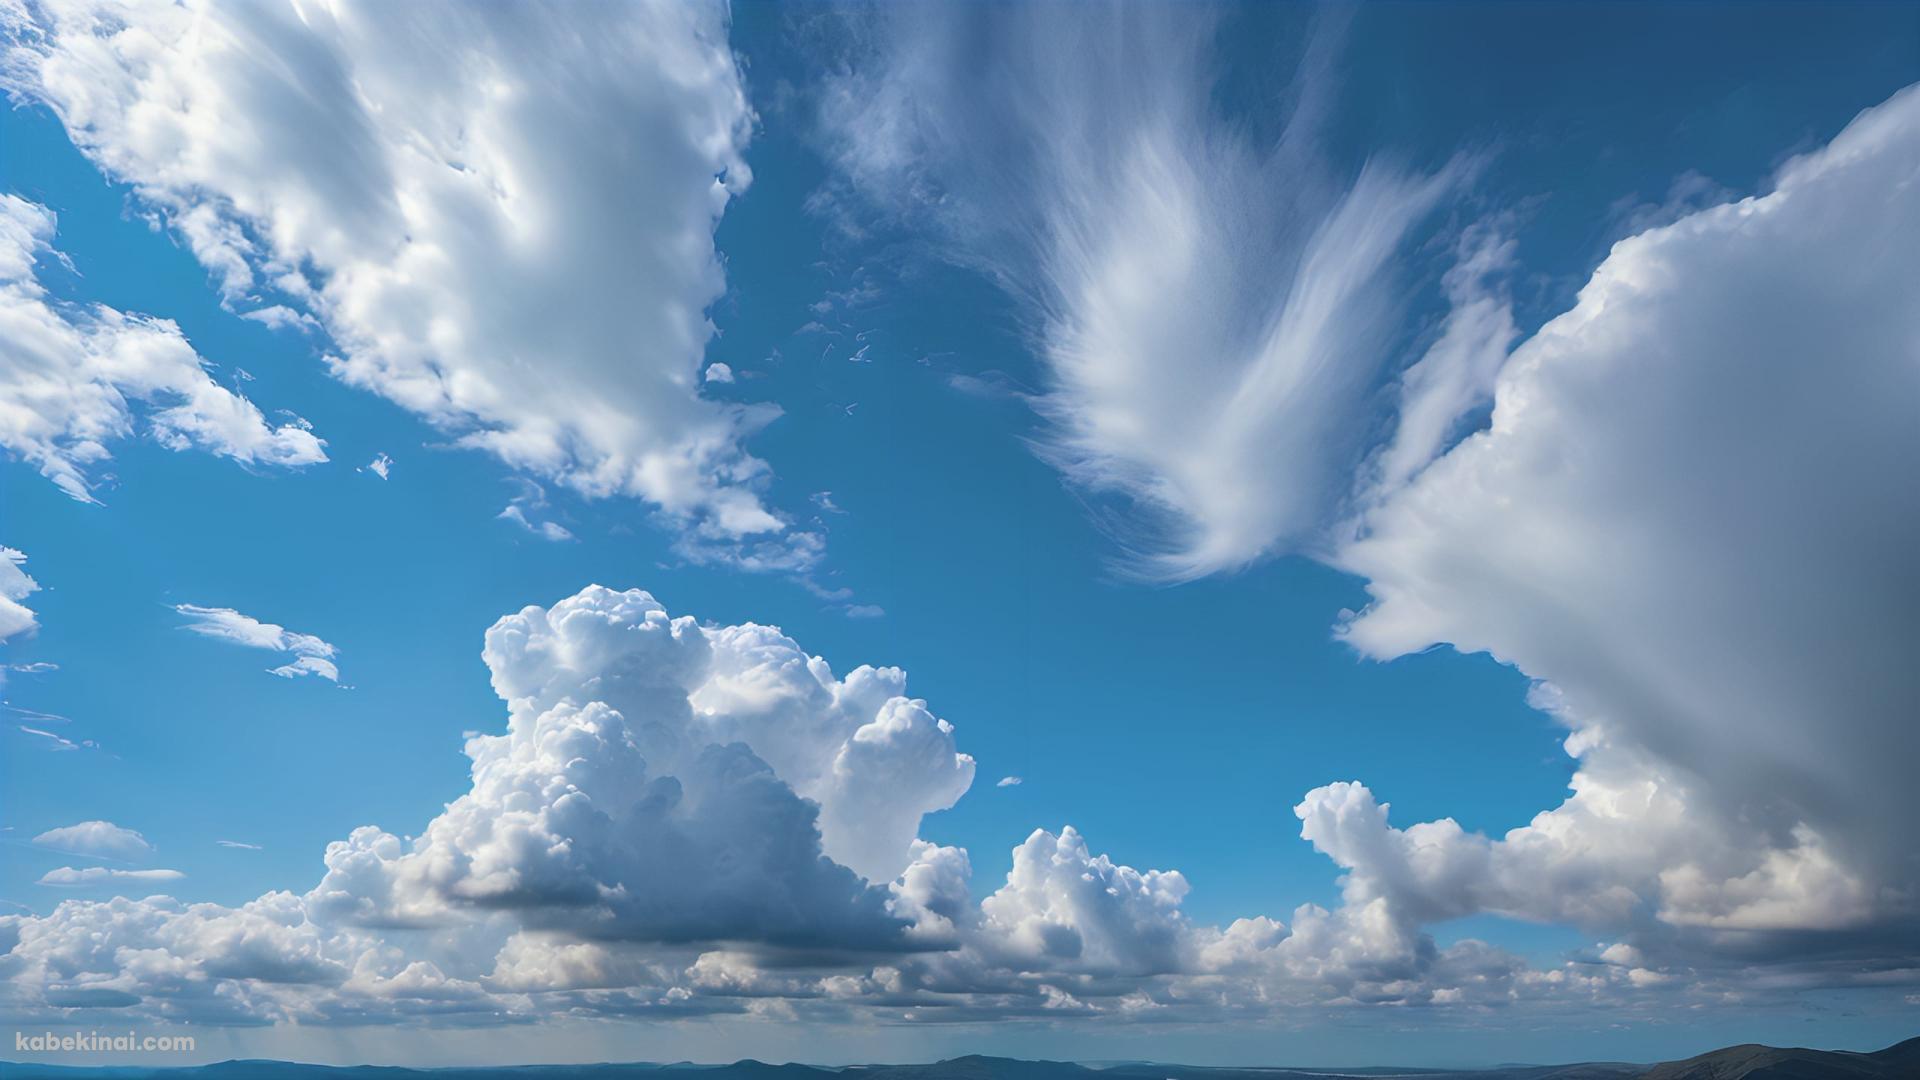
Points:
(662, 782)
(501, 214)
(1691, 520)
(1212, 309)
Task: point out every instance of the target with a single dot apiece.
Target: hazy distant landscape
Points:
(1747, 1062)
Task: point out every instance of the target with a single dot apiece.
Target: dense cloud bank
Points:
(681, 820)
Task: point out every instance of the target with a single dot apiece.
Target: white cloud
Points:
(503, 219)
(310, 655)
(1686, 519)
(73, 374)
(237, 844)
(718, 372)
(522, 509)
(686, 820)
(58, 742)
(68, 877)
(1064, 909)
(1213, 312)
(308, 665)
(101, 838)
(15, 586)
(380, 466)
(1457, 372)
(1009, 781)
(280, 317)
(663, 782)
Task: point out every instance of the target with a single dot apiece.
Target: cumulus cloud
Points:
(1679, 518)
(101, 838)
(309, 655)
(381, 466)
(718, 372)
(1211, 308)
(503, 219)
(663, 782)
(1064, 909)
(77, 377)
(686, 820)
(1681, 521)
(15, 586)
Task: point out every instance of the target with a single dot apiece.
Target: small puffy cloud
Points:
(78, 377)
(1009, 781)
(310, 655)
(101, 838)
(528, 509)
(380, 466)
(865, 611)
(281, 317)
(15, 586)
(68, 877)
(516, 512)
(718, 372)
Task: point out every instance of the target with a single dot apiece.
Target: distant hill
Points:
(1755, 1062)
(1749, 1062)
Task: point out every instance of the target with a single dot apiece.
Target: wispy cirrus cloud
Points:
(309, 655)
(1213, 310)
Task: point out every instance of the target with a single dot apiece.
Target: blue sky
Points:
(899, 306)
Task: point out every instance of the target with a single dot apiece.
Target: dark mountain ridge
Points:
(1747, 1062)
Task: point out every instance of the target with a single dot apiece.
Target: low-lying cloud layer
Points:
(682, 819)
